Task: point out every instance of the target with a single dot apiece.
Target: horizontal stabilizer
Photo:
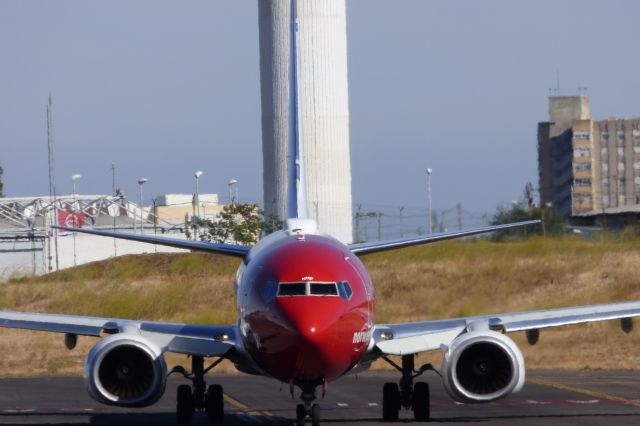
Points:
(226, 249)
(374, 246)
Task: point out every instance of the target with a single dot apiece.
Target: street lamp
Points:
(429, 200)
(197, 175)
(141, 182)
(75, 178)
(233, 184)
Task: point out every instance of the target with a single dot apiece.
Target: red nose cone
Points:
(316, 328)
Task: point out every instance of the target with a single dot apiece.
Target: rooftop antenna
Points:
(52, 181)
(582, 90)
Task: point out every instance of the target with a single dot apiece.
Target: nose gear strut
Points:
(308, 409)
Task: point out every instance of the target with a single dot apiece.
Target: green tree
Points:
(271, 223)
(238, 223)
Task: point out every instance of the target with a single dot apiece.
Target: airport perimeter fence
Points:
(376, 222)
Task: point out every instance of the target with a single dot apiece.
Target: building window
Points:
(582, 152)
(605, 181)
(581, 166)
(604, 135)
(636, 165)
(582, 135)
(637, 180)
(620, 135)
(582, 198)
(621, 167)
(636, 149)
(582, 182)
(605, 167)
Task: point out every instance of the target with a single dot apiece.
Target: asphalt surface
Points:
(551, 398)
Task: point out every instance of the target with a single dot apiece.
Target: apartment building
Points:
(587, 167)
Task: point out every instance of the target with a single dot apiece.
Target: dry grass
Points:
(443, 280)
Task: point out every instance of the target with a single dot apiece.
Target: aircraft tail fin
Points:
(296, 195)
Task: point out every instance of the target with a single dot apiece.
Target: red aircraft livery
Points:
(306, 317)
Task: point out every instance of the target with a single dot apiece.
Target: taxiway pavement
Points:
(549, 397)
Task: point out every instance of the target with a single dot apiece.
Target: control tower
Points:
(323, 104)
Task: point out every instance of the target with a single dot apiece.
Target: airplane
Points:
(306, 317)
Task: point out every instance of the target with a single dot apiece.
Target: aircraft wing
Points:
(199, 340)
(408, 338)
(374, 246)
(227, 249)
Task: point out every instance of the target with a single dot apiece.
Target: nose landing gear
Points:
(408, 395)
(308, 409)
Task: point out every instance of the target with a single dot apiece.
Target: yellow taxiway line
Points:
(239, 405)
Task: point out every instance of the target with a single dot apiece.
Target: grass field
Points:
(447, 279)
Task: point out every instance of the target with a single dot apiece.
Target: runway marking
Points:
(593, 394)
(239, 405)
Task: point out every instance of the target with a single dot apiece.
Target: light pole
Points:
(141, 182)
(197, 175)
(429, 201)
(233, 184)
(74, 179)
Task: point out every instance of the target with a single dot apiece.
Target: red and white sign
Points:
(70, 219)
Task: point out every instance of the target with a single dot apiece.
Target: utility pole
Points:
(459, 212)
(115, 213)
(52, 182)
(379, 226)
(401, 222)
(429, 224)
(358, 217)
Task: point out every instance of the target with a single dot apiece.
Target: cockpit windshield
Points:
(342, 289)
(323, 289)
(292, 289)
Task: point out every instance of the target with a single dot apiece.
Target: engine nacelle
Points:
(125, 370)
(482, 366)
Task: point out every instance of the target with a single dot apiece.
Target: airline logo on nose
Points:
(361, 336)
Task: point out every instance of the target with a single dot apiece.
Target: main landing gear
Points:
(197, 396)
(308, 409)
(407, 394)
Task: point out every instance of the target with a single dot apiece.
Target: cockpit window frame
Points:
(291, 284)
(308, 289)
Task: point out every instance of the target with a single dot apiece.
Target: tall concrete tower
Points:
(324, 109)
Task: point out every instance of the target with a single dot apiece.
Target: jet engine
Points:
(482, 366)
(125, 370)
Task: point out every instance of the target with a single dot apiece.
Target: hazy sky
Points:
(162, 89)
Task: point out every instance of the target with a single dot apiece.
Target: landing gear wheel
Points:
(315, 415)
(301, 413)
(184, 408)
(420, 402)
(214, 403)
(390, 402)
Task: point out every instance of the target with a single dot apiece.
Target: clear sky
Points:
(163, 89)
